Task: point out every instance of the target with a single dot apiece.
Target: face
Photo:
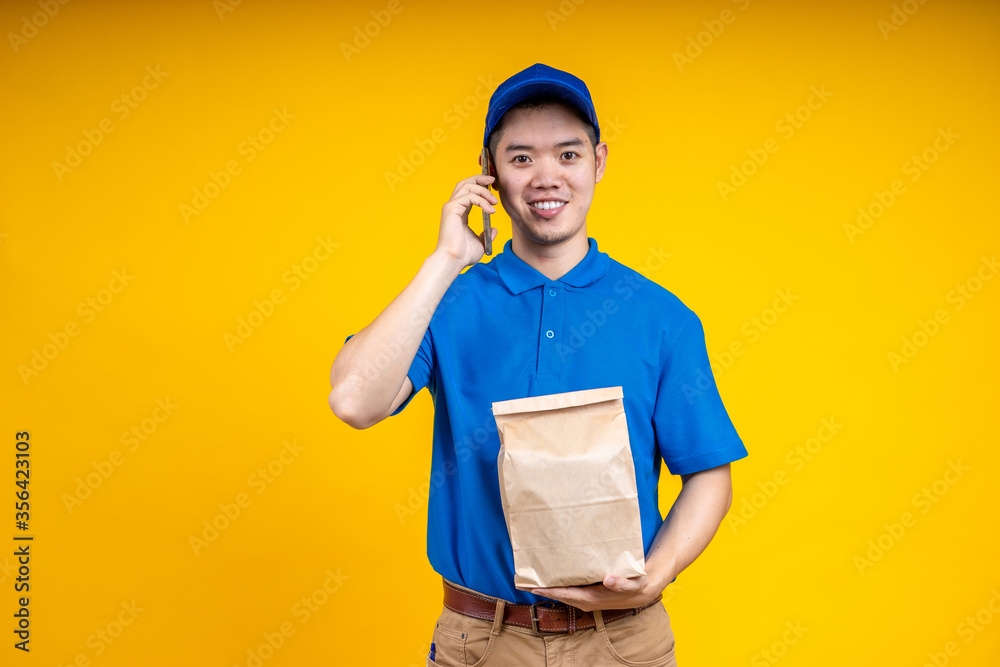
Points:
(546, 173)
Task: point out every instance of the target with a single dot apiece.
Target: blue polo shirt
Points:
(502, 331)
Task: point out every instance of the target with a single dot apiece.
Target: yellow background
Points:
(674, 132)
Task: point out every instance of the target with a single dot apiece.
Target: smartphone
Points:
(487, 232)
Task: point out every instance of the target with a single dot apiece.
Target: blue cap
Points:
(540, 80)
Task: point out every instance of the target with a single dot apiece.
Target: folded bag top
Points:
(568, 399)
(568, 489)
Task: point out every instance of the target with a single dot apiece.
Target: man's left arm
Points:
(693, 520)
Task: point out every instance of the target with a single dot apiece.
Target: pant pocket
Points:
(448, 646)
(644, 640)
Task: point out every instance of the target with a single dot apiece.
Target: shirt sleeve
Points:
(421, 370)
(693, 429)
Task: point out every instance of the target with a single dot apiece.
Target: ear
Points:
(601, 161)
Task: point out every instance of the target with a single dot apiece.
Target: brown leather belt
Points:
(542, 617)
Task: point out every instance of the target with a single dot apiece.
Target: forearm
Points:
(371, 367)
(690, 525)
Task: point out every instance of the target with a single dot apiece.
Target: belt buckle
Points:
(534, 618)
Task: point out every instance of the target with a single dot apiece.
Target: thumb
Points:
(623, 584)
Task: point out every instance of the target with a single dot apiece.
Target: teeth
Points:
(545, 205)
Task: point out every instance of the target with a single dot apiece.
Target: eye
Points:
(521, 159)
(569, 155)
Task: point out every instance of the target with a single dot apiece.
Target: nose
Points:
(546, 174)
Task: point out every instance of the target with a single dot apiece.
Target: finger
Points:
(473, 188)
(565, 598)
(478, 180)
(572, 593)
(550, 592)
(588, 600)
(461, 185)
(493, 234)
(483, 179)
(619, 584)
(623, 584)
(467, 201)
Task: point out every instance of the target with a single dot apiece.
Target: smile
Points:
(546, 205)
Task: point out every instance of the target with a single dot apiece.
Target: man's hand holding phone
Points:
(456, 238)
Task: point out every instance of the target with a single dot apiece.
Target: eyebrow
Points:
(524, 147)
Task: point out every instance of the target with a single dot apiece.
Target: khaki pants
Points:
(645, 640)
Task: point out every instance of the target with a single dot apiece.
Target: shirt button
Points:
(552, 292)
(549, 333)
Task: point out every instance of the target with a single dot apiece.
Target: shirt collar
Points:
(519, 276)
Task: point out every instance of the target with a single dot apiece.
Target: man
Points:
(549, 314)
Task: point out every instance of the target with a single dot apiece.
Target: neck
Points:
(552, 260)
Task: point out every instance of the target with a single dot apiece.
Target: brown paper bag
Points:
(568, 488)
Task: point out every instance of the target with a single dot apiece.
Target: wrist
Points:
(445, 263)
(660, 572)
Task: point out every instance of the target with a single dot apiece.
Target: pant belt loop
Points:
(498, 617)
(598, 620)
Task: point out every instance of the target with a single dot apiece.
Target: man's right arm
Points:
(364, 393)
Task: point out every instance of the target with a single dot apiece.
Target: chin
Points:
(547, 234)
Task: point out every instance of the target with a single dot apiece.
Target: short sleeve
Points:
(693, 429)
(420, 371)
